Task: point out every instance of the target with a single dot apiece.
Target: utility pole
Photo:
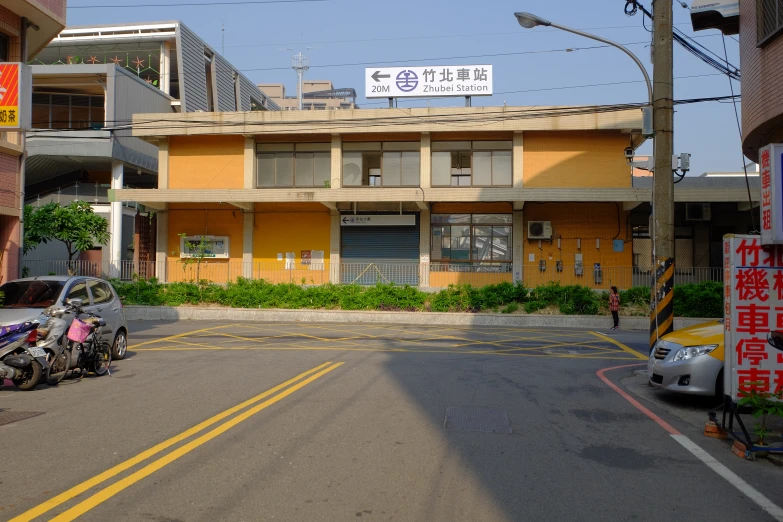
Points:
(662, 313)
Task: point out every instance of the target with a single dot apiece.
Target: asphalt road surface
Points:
(246, 422)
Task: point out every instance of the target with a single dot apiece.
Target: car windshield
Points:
(29, 294)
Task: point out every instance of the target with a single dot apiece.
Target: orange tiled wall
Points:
(207, 219)
(575, 159)
(9, 182)
(204, 162)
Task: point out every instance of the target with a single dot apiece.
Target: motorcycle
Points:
(81, 342)
(20, 359)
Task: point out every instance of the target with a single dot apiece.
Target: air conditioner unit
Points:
(539, 230)
(697, 212)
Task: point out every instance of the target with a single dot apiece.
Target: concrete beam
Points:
(247, 207)
(155, 205)
(630, 205)
(744, 206)
(329, 205)
(519, 205)
(423, 205)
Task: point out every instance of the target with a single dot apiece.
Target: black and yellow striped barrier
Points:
(662, 313)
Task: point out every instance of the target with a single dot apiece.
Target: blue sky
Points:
(335, 32)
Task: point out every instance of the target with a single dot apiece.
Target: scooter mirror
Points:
(775, 339)
(75, 302)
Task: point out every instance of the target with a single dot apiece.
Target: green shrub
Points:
(532, 307)
(578, 300)
(704, 299)
(511, 308)
(638, 295)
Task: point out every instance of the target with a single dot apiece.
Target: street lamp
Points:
(529, 21)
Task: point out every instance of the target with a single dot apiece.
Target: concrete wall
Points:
(575, 159)
(206, 162)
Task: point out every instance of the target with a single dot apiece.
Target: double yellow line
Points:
(298, 382)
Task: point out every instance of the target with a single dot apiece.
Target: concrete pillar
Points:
(334, 247)
(426, 160)
(424, 248)
(115, 220)
(250, 163)
(163, 163)
(165, 67)
(517, 160)
(517, 241)
(161, 246)
(337, 163)
(247, 245)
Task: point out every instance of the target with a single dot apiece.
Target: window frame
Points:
(387, 148)
(504, 220)
(475, 147)
(763, 39)
(316, 157)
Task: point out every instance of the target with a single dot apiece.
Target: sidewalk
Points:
(198, 313)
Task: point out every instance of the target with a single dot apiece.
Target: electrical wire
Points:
(439, 58)
(489, 116)
(744, 166)
(195, 4)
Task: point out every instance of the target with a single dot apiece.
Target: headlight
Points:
(689, 352)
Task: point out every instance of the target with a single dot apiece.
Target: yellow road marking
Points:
(620, 345)
(144, 455)
(108, 492)
(178, 335)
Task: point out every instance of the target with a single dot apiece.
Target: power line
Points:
(196, 4)
(492, 55)
(433, 37)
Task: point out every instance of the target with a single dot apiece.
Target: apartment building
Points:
(316, 95)
(26, 26)
(427, 197)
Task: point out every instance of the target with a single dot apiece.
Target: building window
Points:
(392, 164)
(471, 164)
(471, 239)
(302, 166)
(4, 45)
(255, 105)
(769, 19)
(62, 111)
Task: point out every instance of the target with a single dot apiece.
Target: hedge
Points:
(691, 300)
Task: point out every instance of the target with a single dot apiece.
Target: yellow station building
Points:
(427, 197)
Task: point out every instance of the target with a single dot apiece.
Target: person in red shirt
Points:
(614, 306)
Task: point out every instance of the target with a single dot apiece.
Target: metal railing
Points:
(374, 273)
(317, 273)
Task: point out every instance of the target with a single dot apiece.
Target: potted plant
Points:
(763, 404)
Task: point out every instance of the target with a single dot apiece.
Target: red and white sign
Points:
(753, 306)
(15, 96)
(770, 160)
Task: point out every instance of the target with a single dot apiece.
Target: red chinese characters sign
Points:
(753, 302)
(770, 200)
(15, 96)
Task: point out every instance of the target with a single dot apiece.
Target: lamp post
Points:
(529, 21)
(662, 230)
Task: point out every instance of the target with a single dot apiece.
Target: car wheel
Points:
(120, 346)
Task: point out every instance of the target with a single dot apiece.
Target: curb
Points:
(588, 322)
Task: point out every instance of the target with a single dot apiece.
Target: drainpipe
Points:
(24, 23)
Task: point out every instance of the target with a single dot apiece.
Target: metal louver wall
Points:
(380, 254)
(226, 98)
(192, 76)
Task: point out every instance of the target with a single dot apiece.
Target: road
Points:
(246, 422)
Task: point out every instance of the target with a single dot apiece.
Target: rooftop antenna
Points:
(300, 63)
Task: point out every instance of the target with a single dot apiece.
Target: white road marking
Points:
(731, 477)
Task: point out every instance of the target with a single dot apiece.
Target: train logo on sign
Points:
(407, 80)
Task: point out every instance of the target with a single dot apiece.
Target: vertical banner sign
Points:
(770, 160)
(10, 80)
(753, 306)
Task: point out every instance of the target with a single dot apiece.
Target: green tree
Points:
(75, 225)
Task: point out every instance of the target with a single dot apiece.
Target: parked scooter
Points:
(75, 343)
(20, 359)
